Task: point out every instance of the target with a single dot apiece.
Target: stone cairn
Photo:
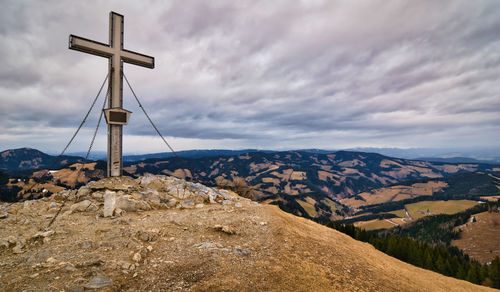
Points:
(111, 197)
(114, 195)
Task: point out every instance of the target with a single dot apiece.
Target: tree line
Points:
(439, 229)
(463, 186)
(7, 193)
(446, 260)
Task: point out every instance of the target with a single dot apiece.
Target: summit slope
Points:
(162, 234)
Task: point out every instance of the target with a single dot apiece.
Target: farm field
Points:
(417, 211)
(480, 239)
(374, 224)
(425, 208)
(395, 193)
(491, 198)
(330, 204)
(308, 207)
(400, 213)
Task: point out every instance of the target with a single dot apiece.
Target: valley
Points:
(375, 193)
(317, 185)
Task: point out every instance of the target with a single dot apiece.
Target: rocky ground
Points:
(159, 233)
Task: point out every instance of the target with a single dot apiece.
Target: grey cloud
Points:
(332, 74)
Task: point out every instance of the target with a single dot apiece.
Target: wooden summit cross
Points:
(116, 116)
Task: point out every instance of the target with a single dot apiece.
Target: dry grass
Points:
(298, 175)
(308, 207)
(324, 175)
(417, 210)
(491, 198)
(32, 186)
(331, 204)
(481, 239)
(425, 208)
(400, 213)
(395, 193)
(374, 224)
(68, 176)
(285, 175)
(272, 180)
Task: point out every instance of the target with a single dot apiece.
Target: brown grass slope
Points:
(214, 248)
(480, 239)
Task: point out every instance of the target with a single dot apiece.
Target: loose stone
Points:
(99, 282)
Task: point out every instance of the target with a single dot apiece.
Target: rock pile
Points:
(113, 196)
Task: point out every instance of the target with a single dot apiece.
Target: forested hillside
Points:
(426, 243)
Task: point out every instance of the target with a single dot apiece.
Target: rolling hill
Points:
(308, 184)
(311, 183)
(477, 236)
(31, 159)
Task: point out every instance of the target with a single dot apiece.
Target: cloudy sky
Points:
(259, 74)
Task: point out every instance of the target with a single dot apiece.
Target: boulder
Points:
(170, 202)
(98, 196)
(228, 195)
(92, 208)
(62, 195)
(99, 282)
(80, 207)
(42, 235)
(150, 195)
(198, 187)
(127, 203)
(109, 203)
(83, 192)
(214, 196)
(157, 182)
(187, 204)
(179, 190)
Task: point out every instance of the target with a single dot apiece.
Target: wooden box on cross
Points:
(117, 116)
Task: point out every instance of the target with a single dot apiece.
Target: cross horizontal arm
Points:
(88, 46)
(138, 59)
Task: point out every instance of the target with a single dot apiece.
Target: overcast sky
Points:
(258, 74)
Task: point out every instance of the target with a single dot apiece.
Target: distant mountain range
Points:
(457, 160)
(487, 155)
(311, 180)
(100, 155)
(30, 159)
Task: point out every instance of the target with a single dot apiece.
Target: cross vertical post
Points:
(116, 116)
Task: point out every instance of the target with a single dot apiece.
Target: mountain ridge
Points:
(289, 176)
(29, 159)
(162, 233)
